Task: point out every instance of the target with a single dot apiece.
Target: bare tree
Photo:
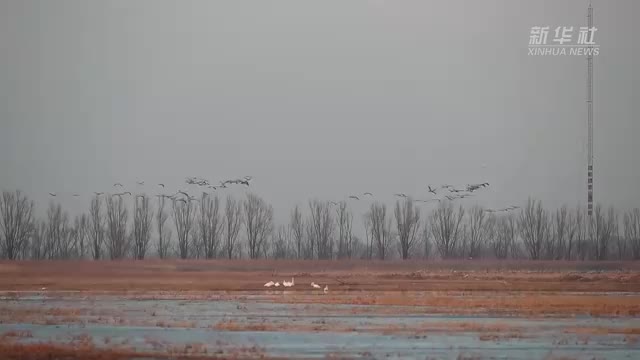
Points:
(556, 244)
(57, 244)
(380, 229)
(117, 217)
(16, 224)
(233, 222)
(602, 230)
(142, 218)
(572, 230)
(164, 235)
(258, 216)
(297, 231)
(446, 227)
(320, 228)
(368, 238)
(426, 239)
(631, 224)
(96, 227)
(183, 215)
(38, 238)
(534, 228)
(345, 234)
(80, 226)
(210, 225)
(481, 229)
(407, 224)
(505, 237)
(281, 242)
(196, 246)
(581, 224)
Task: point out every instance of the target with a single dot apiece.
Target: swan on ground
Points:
(288, 283)
(326, 289)
(315, 286)
(269, 284)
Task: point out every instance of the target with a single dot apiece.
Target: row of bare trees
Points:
(238, 228)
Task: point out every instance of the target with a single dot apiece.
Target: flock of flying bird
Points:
(452, 194)
(291, 283)
(180, 195)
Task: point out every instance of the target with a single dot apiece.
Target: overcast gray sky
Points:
(315, 99)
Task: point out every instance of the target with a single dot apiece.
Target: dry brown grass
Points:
(85, 350)
(602, 330)
(464, 287)
(232, 275)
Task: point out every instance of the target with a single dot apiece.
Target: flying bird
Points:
(354, 197)
(161, 185)
(431, 190)
(474, 187)
(76, 195)
(368, 193)
(52, 194)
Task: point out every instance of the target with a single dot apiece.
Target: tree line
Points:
(245, 228)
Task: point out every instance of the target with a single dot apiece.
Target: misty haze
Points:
(257, 178)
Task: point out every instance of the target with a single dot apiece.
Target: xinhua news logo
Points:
(563, 41)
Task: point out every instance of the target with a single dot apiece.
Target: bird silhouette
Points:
(52, 194)
(431, 190)
(354, 197)
(368, 193)
(76, 195)
(162, 185)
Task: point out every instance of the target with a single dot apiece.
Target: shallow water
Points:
(312, 330)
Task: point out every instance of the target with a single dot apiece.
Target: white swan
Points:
(269, 284)
(277, 284)
(315, 286)
(326, 289)
(288, 283)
